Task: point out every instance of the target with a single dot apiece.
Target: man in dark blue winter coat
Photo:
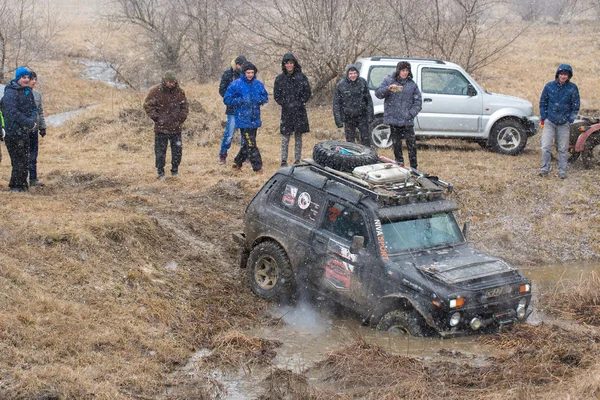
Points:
(401, 105)
(559, 105)
(246, 95)
(230, 75)
(20, 118)
(353, 106)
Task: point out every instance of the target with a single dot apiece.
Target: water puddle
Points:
(101, 71)
(57, 120)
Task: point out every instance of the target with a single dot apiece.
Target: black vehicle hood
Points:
(464, 266)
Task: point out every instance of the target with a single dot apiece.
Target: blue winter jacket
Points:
(399, 108)
(560, 103)
(246, 97)
(19, 109)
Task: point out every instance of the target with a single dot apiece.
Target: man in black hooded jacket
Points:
(291, 91)
(353, 106)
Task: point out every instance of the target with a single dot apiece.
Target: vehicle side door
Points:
(340, 274)
(452, 104)
(295, 209)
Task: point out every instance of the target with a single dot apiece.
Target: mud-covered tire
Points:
(591, 152)
(343, 156)
(508, 137)
(381, 135)
(400, 321)
(573, 156)
(270, 272)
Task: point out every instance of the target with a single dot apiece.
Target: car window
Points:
(299, 200)
(443, 81)
(378, 73)
(344, 221)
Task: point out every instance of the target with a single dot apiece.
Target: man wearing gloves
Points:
(20, 119)
(559, 105)
(353, 106)
(33, 135)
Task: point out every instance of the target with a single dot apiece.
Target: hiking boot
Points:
(259, 171)
(222, 158)
(236, 168)
(562, 176)
(296, 162)
(174, 173)
(543, 173)
(35, 182)
(283, 164)
(16, 190)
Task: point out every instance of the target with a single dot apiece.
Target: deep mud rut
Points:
(304, 334)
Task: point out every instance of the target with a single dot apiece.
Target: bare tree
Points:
(463, 31)
(208, 32)
(325, 35)
(163, 23)
(27, 29)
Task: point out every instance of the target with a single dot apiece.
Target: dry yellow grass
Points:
(111, 279)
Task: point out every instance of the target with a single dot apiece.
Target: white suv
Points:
(454, 106)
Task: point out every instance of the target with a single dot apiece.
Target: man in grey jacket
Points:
(401, 105)
(33, 135)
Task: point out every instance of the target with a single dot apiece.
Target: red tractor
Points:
(584, 141)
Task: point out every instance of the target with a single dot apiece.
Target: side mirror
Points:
(358, 242)
(465, 229)
(471, 90)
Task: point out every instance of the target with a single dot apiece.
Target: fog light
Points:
(521, 309)
(526, 288)
(455, 319)
(475, 323)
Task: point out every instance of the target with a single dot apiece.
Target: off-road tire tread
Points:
(285, 287)
(326, 154)
(410, 320)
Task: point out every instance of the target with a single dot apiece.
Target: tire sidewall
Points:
(498, 127)
(328, 154)
(410, 320)
(378, 121)
(285, 285)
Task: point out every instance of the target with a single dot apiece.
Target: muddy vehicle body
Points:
(379, 239)
(584, 141)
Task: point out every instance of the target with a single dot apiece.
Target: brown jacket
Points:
(167, 107)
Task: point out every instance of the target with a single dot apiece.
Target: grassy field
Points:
(111, 279)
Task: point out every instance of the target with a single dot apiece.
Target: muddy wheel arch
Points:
(398, 302)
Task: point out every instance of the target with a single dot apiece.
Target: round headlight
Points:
(455, 319)
(521, 309)
(475, 323)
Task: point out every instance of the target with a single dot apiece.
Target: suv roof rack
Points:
(418, 187)
(379, 58)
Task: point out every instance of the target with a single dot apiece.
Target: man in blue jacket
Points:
(559, 105)
(246, 95)
(20, 118)
(401, 105)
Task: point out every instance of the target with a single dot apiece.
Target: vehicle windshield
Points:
(422, 233)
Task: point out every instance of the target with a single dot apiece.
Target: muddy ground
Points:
(119, 286)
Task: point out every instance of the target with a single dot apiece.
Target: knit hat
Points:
(240, 60)
(21, 72)
(170, 77)
(248, 65)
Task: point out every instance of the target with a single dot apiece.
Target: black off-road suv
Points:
(379, 239)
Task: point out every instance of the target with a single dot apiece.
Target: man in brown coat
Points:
(167, 106)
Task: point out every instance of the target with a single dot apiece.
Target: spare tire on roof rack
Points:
(343, 156)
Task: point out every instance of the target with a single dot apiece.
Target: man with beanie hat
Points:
(246, 95)
(229, 76)
(291, 91)
(353, 106)
(401, 105)
(20, 118)
(559, 105)
(167, 106)
(33, 135)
